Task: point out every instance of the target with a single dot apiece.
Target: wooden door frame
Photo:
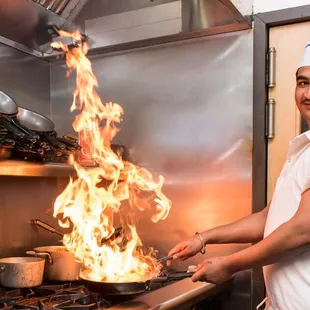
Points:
(262, 23)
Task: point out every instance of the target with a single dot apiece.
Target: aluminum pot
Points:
(21, 272)
(60, 263)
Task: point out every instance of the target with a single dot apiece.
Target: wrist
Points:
(208, 236)
(229, 264)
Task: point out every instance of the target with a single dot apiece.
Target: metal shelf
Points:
(27, 169)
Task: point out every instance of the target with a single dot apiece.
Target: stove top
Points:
(71, 296)
(76, 296)
(52, 296)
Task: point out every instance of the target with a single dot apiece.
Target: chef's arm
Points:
(247, 230)
(292, 235)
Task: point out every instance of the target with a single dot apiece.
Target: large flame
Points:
(114, 188)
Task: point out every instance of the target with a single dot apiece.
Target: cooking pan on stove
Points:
(131, 288)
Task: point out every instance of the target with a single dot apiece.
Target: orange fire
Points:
(114, 188)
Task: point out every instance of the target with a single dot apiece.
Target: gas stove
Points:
(76, 296)
(72, 295)
(52, 296)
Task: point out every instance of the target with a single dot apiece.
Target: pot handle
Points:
(150, 283)
(46, 256)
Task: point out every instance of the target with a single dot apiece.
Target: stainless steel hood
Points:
(118, 24)
(136, 23)
(26, 24)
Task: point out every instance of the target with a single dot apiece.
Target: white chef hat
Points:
(306, 57)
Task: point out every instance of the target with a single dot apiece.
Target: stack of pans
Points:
(28, 135)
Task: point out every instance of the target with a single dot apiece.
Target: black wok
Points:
(131, 288)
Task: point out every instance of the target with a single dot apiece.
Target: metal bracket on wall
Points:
(271, 74)
(20, 47)
(271, 113)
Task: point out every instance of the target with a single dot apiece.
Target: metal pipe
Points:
(61, 6)
(51, 4)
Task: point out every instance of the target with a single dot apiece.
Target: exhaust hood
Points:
(29, 25)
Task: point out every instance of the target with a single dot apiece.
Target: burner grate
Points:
(51, 297)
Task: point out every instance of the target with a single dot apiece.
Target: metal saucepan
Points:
(117, 232)
(60, 263)
(130, 288)
(21, 272)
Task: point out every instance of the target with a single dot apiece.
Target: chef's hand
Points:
(214, 270)
(185, 249)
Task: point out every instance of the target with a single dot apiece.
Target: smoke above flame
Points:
(112, 189)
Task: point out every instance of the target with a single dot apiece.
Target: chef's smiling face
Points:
(302, 92)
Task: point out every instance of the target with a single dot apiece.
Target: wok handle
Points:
(117, 233)
(164, 259)
(17, 133)
(44, 255)
(186, 275)
(46, 226)
(69, 142)
(33, 137)
(148, 284)
(54, 142)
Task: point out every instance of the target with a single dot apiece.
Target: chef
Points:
(281, 231)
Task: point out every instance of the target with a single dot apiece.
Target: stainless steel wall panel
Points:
(26, 79)
(188, 116)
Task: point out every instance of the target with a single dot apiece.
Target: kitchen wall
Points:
(23, 199)
(26, 79)
(260, 6)
(188, 117)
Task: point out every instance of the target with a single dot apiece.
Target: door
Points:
(289, 42)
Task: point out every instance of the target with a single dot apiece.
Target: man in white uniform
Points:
(281, 230)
